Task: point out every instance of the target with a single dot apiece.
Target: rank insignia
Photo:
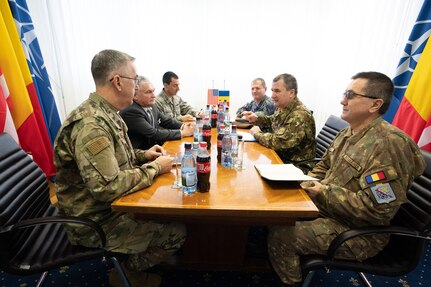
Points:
(380, 175)
(383, 192)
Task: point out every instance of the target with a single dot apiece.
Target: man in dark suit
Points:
(146, 126)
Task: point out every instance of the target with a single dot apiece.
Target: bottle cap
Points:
(187, 145)
(240, 137)
(203, 144)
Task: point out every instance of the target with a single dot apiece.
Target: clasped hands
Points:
(158, 154)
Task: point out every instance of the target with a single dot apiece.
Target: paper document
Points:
(247, 137)
(287, 172)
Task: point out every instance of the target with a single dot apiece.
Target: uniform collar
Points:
(354, 137)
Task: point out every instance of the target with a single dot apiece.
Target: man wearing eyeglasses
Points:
(146, 125)
(292, 129)
(170, 104)
(96, 164)
(362, 181)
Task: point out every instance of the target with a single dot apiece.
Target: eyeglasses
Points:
(137, 79)
(351, 95)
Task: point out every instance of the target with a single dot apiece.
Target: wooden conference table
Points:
(217, 221)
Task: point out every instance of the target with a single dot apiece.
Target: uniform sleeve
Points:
(269, 107)
(100, 169)
(186, 109)
(375, 193)
(244, 108)
(320, 169)
(288, 136)
(163, 108)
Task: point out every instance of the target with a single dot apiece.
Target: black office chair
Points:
(327, 134)
(32, 237)
(409, 231)
(324, 139)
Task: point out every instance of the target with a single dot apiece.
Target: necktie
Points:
(150, 116)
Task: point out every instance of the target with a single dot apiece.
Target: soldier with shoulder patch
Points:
(96, 164)
(291, 130)
(363, 179)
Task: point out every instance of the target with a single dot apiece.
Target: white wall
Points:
(225, 43)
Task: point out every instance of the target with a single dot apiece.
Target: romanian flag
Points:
(412, 83)
(6, 121)
(375, 177)
(224, 95)
(26, 111)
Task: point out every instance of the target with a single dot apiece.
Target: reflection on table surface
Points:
(238, 195)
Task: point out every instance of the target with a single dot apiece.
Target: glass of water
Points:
(177, 164)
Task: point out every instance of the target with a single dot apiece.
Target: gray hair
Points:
(105, 63)
(289, 81)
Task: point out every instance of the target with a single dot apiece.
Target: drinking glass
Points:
(177, 163)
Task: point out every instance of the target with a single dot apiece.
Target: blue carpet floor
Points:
(94, 274)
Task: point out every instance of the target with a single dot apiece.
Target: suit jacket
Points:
(140, 131)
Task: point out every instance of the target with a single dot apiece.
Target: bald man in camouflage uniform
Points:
(362, 181)
(96, 164)
(292, 125)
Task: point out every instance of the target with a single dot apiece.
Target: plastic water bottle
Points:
(188, 170)
(226, 158)
(227, 119)
(220, 116)
(197, 132)
(207, 112)
(203, 168)
(195, 149)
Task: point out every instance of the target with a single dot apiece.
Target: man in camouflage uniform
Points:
(292, 128)
(261, 102)
(362, 180)
(170, 104)
(96, 164)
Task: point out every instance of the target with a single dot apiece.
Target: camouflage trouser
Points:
(147, 242)
(287, 243)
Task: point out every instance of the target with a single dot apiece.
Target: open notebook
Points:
(287, 172)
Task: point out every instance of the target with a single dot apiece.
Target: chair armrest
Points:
(349, 234)
(54, 220)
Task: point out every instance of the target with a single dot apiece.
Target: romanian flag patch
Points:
(380, 175)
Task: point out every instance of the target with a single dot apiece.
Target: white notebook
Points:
(287, 172)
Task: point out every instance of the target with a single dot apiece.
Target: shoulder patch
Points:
(97, 146)
(383, 192)
(378, 176)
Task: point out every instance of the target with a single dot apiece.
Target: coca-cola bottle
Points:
(214, 117)
(219, 142)
(203, 168)
(206, 132)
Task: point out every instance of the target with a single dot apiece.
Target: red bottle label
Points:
(206, 133)
(204, 167)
